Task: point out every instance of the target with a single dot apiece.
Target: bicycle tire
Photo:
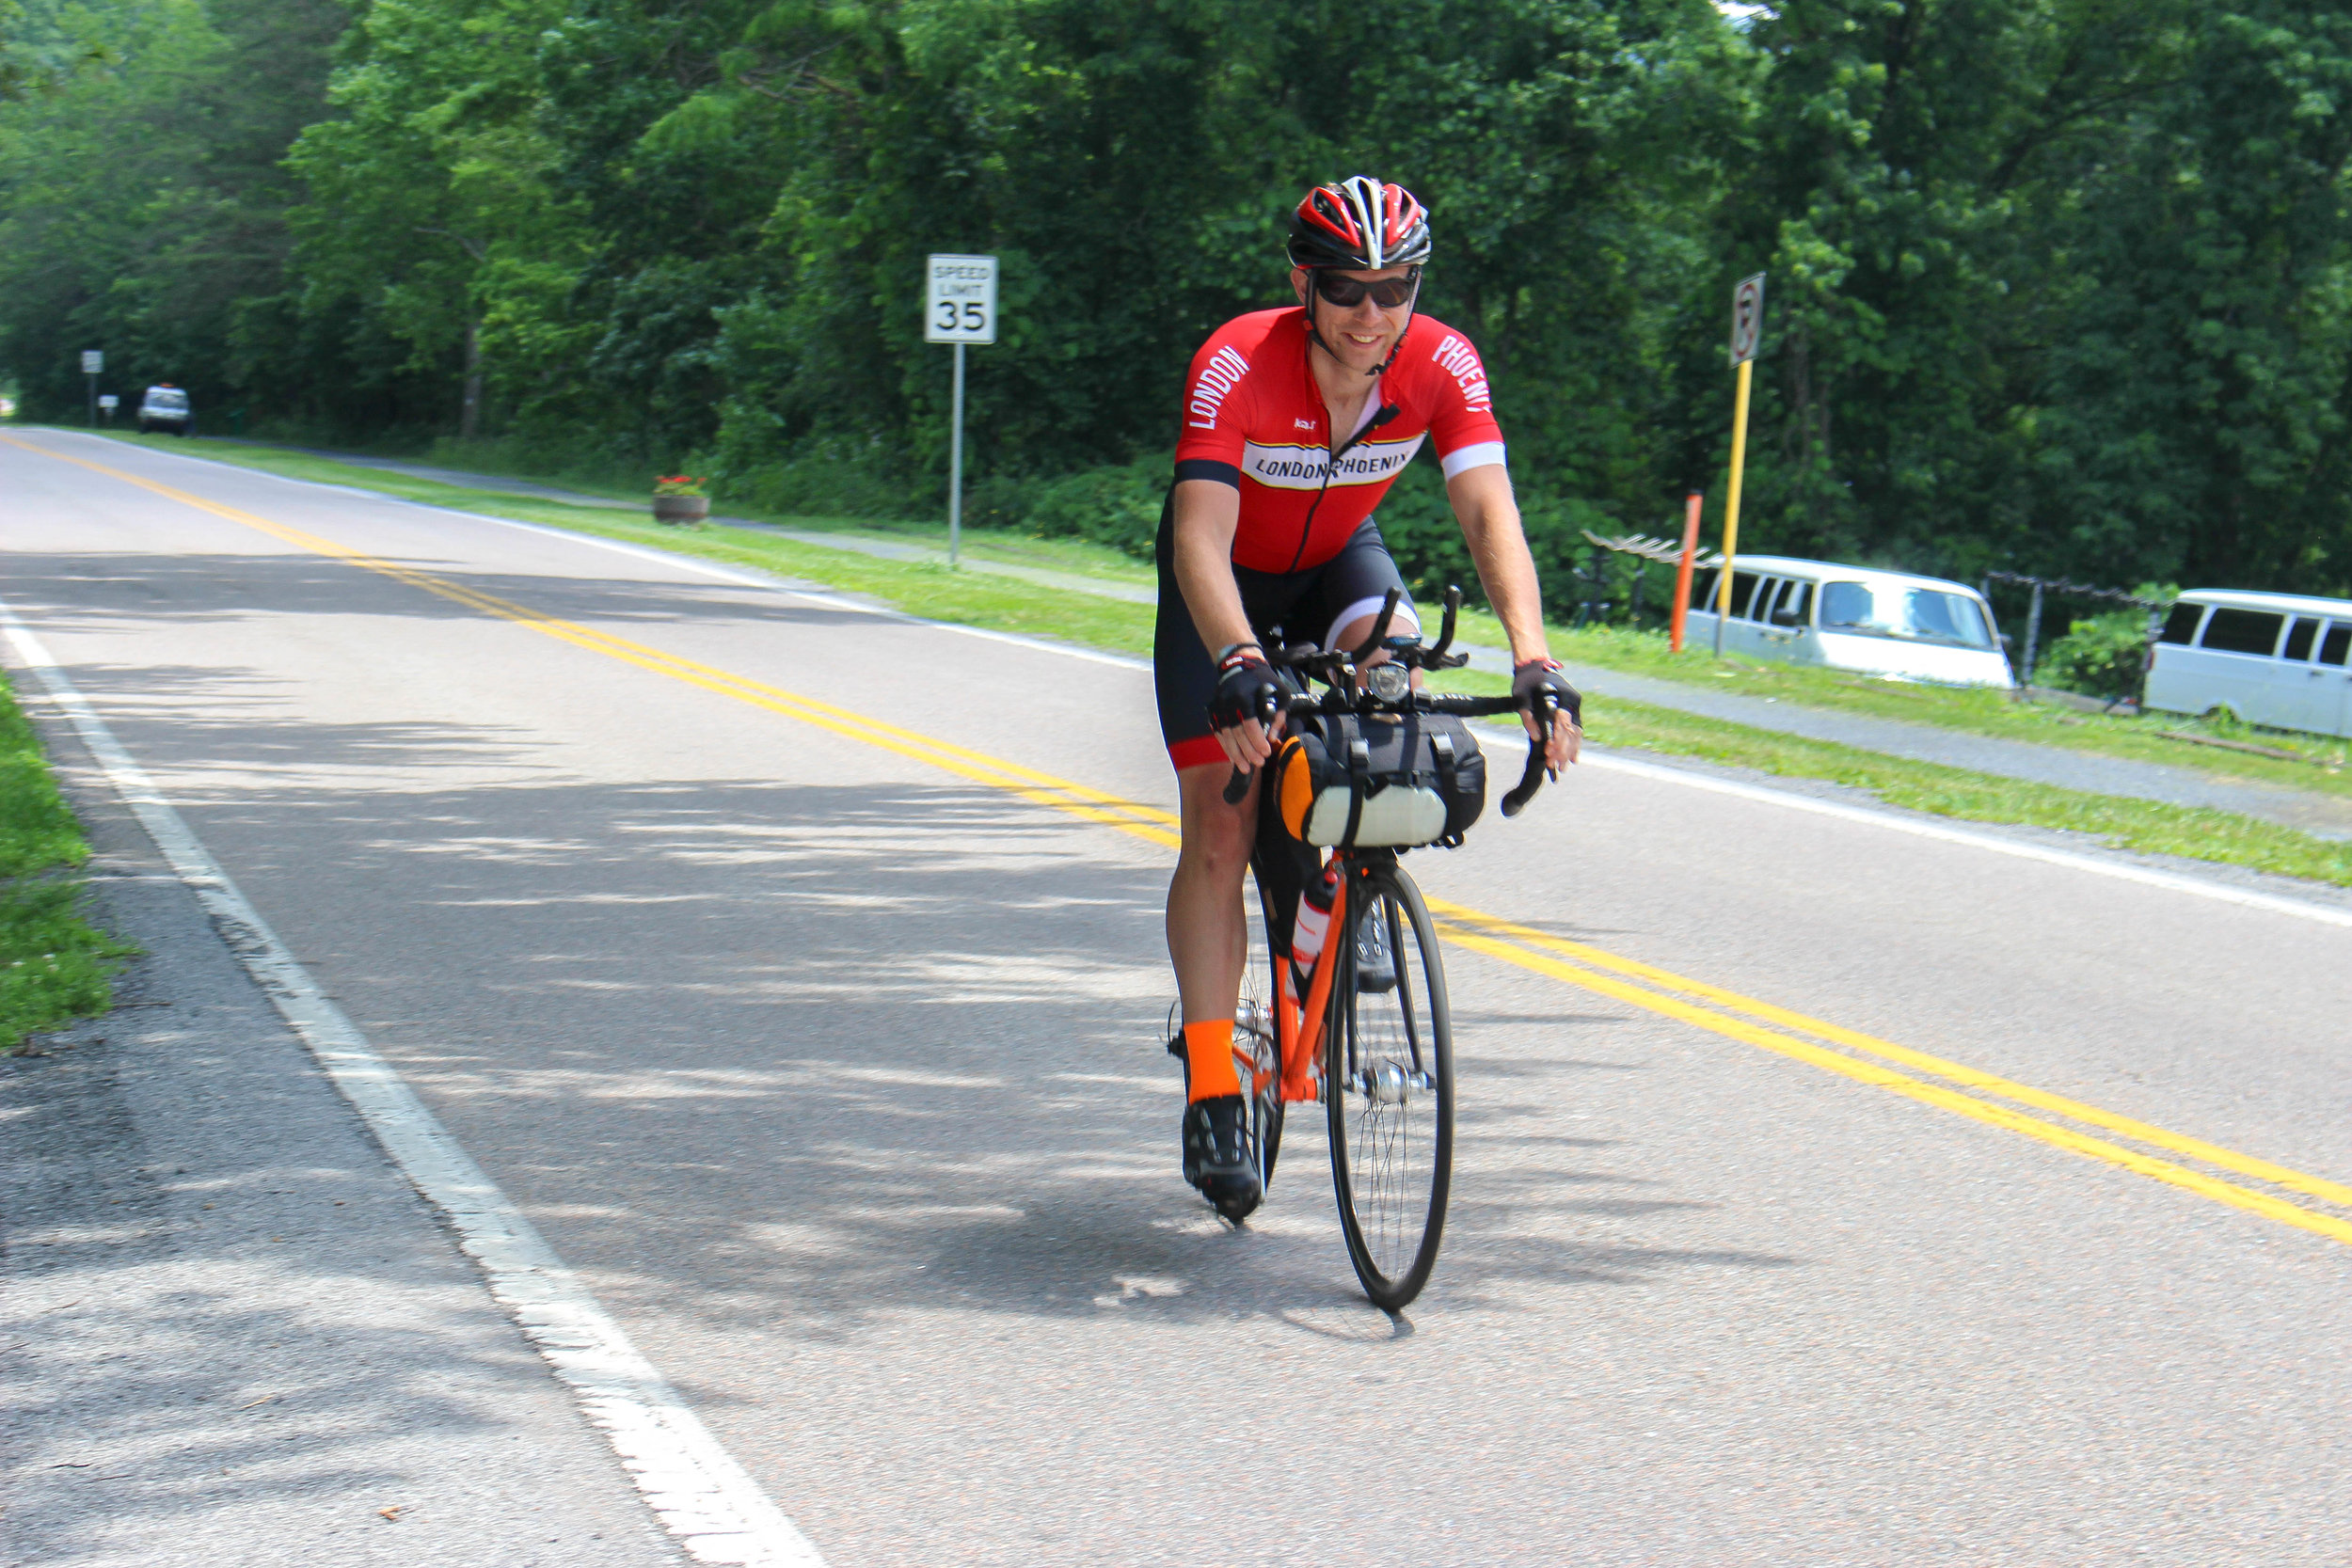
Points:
(1256, 1056)
(1388, 1095)
(1265, 1115)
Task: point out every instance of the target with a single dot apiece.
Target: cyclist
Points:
(1295, 422)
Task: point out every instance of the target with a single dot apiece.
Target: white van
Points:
(165, 407)
(1852, 618)
(2270, 659)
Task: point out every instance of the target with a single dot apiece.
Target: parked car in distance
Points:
(2271, 659)
(1857, 618)
(165, 407)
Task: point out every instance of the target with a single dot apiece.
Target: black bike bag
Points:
(1379, 779)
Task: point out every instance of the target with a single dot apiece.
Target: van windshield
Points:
(165, 398)
(1915, 614)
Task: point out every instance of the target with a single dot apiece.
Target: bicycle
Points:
(1375, 1048)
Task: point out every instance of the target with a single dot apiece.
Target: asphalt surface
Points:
(2310, 811)
(233, 1334)
(837, 1074)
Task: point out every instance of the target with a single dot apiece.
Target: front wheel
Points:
(1388, 1089)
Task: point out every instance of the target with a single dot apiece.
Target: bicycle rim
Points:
(1258, 1062)
(1389, 1096)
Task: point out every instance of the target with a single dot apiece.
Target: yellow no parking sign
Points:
(1747, 329)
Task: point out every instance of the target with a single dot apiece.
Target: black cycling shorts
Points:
(1284, 607)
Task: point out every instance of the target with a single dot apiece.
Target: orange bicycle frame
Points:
(1299, 1031)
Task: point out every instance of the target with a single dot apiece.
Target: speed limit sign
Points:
(963, 304)
(1747, 318)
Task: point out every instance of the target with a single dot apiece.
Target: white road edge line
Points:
(2145, 875)
(746, 577)
(2148, 876)
(2172, 881)
(701, 1495)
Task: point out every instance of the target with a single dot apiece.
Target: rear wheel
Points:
(1258, 1062)
(1389, 1094)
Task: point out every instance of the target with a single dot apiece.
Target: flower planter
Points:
(680, 509)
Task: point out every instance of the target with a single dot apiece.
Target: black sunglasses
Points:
(1348, 293)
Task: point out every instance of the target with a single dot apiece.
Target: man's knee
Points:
(1217, 838)
(1217, 847)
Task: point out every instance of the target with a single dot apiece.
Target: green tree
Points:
(142, 207)
(431, 221)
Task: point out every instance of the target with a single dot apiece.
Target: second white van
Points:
(1858, 618)
(2271, 659)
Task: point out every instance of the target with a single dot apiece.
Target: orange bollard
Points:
(1682, 574)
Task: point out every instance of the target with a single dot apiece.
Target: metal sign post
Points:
(108, 404)
(961, 309)
(1747, 327)
(93, 361)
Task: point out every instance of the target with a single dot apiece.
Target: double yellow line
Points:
(2191, 1165)
(1964, 1091)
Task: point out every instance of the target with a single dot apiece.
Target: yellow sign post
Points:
(1747, 326)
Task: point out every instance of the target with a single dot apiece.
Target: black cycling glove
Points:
(1246, 687)
(1538, 675)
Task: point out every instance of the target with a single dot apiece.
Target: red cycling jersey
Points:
(1254, 419)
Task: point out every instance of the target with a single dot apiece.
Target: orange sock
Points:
(1209, 1049)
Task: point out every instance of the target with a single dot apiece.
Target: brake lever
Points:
(1239, 785)
(1537, 769)
(1434, 658)
(1379, 628)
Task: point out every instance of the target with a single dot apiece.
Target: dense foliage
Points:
(2056, 285)
(2104, 656)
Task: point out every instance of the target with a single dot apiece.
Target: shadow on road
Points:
(792, 1057)
(113, 588)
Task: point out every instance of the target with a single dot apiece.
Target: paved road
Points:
(233, 1336)
(2325, 815)
(832, 1070)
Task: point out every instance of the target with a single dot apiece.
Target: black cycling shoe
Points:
(1376, 966)
(1217, 1155)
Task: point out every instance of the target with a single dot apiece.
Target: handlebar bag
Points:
(1379, 780)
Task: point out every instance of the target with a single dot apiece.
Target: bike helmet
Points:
(1359, 225)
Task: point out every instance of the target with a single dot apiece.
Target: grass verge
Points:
(999, 604)
(53, 965)
(1978, 711)
(2149, 827)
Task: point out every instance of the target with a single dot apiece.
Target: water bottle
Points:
(1314, 922)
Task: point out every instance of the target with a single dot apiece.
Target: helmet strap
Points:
(1382, 367)
(1314, 334)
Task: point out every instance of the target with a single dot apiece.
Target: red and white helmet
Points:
(1359, 225)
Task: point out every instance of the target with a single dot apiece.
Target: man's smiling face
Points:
(1360, 336)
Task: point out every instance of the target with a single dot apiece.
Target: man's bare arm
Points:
(1489, 516)
(1497, 543)
(1207, 514)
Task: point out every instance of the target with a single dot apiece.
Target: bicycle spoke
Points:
(1391, 1113)
(1405, 985)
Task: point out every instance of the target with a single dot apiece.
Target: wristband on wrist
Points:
(1536, 664)
(1239, 654)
